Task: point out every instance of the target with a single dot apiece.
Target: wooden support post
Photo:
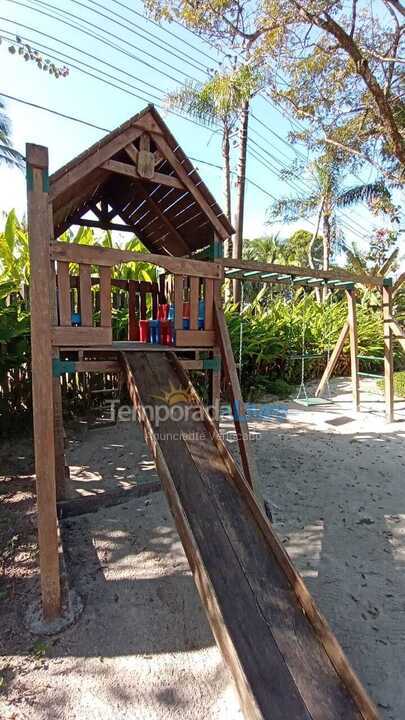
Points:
(61, 471)
(133, 310)
(354, 362)
(42, 379)
(238, 406)
(194, 299)
(178, 302)
(215, 387)
(398, 333)
(388, 354)
(333, 359)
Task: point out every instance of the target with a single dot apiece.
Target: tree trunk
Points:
(388, 118)
(326, 247)
(312, 244)
(228, 245)
(240, 196)
(227, 183)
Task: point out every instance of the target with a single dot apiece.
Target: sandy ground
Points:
(142, 648)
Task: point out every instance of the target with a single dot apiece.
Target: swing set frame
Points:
(336, 280)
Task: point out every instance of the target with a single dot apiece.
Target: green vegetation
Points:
(272, 335)
(272, 317)
(399, 384)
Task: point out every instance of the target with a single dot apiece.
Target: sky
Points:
(119, 62)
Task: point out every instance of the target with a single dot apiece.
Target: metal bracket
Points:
(60, 367)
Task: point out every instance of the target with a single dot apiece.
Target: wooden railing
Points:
(183, 297)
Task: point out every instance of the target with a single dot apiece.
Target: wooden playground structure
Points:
(284, 659)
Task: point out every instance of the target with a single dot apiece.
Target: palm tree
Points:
(204, 103)
(223, 99)
(8, 155)
(265, 249)
(328, 195)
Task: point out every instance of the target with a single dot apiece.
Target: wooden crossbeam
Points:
(59, 184)
(103, 225)
(238, 406)
(333, 359)
(154, 207)
(295, 271)
(130, 171)
(94, 255)
(132, 152)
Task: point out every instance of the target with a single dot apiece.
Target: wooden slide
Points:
(285, 661)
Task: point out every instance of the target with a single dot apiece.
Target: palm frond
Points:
(389, 262)
(363, 193)
(191, 100)
(8, 155)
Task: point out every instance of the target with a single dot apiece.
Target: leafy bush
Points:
(399, 384)
(274, 336)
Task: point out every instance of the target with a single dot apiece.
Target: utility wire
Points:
(103, 129)
(169, 32)
(38, 44)
(168, 48)
(103, 40)
(277, 160)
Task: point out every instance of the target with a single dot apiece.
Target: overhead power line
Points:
(103, 129)
(147, 92)
(169, 32)
(102, 39)
(168, 48)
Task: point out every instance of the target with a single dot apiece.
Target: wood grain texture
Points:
(388, 354)
(64, 302)
(81, 336)
(93, 255)
(86, 313)
(178, 302)
(195, 338)
(354, 349)
(105, 297)
(279, 665)
(238, 406)
(133, 310)
(194, 298)
(122, 168)
(209, 304)
(40, 233)
(330, 366)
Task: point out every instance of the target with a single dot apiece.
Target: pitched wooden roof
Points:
(137, 178)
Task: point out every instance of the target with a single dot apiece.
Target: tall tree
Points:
(338, 66)
(225, 98)
(328, 194)
(213, 102)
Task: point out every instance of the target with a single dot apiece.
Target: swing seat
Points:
(307, 402)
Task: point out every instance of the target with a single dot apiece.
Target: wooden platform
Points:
(281, 668)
